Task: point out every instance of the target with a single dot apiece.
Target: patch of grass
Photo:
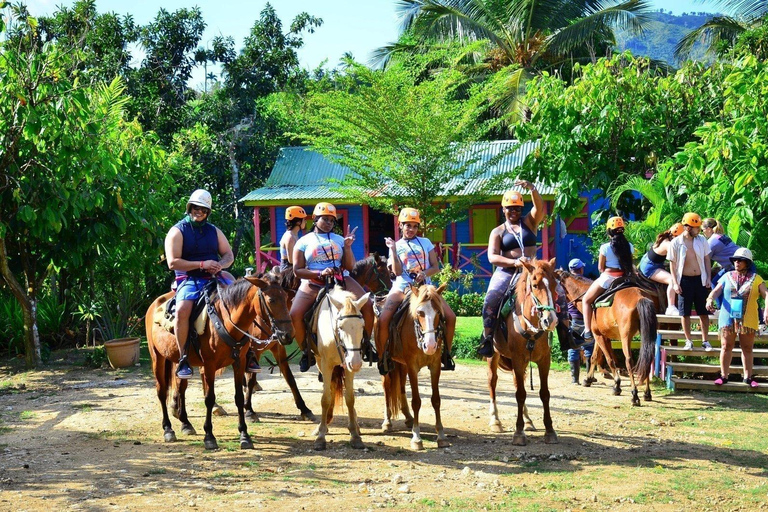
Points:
(4, 429)
(157, 471)
(83, 407)
(27, 415)
(251, 464)
(220, 475)
(281, 430)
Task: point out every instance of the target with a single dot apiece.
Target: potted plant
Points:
(117, 328)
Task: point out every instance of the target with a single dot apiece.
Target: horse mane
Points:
(522, 283)
(232, 295)
(364, 264)
(285, 278)
(346, 298)
(427, 293)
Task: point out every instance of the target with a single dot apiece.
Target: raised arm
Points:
(538, 211)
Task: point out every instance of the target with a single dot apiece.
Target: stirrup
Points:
(385, 363)
(485, 348)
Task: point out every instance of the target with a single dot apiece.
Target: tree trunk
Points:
(236, 191)
(28, 309)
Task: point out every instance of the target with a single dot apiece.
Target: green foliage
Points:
(11, 326)
(467, 338)
(96, 358)
(467, 304)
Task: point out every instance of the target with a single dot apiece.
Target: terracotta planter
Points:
(122, 352)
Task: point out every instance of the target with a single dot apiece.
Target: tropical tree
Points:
(720, 33)
(76, 178)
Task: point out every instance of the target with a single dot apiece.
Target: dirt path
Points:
(75, 439)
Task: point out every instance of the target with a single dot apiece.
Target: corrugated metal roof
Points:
(301, 173)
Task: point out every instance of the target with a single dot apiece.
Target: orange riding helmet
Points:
(615, 223)
(295, 212)
(677, 229)
(409, 215)
(512, 198)
(692, 219)
(324, 209)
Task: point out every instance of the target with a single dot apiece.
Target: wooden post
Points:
(257, 236)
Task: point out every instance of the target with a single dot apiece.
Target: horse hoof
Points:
(257, 387)
(636, 402)
(219, 411)
(252, 417)
(356, 443)
(443, 443)
(319, 445)
(529, 427)
(496, 427)
(308, 416)
(188, 430)
(519, 440)
(588, 383)
(409, 423)
(211, 444)
(647, 397)
(386, 426)
(246, 443)
(551, 438)
(417, 445)
(170, 437)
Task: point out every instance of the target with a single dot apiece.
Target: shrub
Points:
(465, 346)
(471, 304)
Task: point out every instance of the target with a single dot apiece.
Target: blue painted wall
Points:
(354, 218)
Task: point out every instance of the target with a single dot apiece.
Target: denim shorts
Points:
(192, 287)
(648, 268)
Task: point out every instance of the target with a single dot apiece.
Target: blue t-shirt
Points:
(321, 250)
(722, 249)
(413, 255)
(611, 260)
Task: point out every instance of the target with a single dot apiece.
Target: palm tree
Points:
(517, 37)
(720, 32)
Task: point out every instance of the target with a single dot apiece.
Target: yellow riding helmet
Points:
(692, 219)
(409, 215)
(512, 198)
(677, 229)
(324, 209)
(295, 212)
(615, 223)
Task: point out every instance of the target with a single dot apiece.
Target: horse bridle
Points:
(261, 343)
(420, 333)
(375, 272)
(341, 347)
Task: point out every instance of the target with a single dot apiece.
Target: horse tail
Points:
(648, 327)
(392, 384)
(337, 384)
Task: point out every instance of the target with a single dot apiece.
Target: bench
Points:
(668, 368)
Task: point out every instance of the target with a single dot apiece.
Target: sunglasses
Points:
(196, 208)
(515, 208)
(739, 260)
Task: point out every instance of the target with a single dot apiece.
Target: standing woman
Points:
(295, 222)
(615, 261)
(739, 314)
(720, 244)
(509, 245)
(652, 264)
(316, 256)
(414, 261)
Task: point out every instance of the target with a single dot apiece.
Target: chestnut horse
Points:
(237, 306)
(633, 310)
(419, 347)
(339, 329)
(528, 327)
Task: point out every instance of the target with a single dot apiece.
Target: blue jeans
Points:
(573, 355)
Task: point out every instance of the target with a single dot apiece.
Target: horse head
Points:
(348, 326)
(538, 286)
(271, 304)
(372, 272)
(574, 286)
(426, 309)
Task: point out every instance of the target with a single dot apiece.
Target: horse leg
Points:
(403, 398)
(210, 400)
(181, 400)
(282, 361)
(493, 377)
(162, 369)
(519, 438)
(355, 441)
(647, 395)
(250, 384)
(175, 397)
(605, 346)
(550, 436)
(413, 376)
(239, 371)
(326, 404)
(626, 347)
(529, 426)
(434, 370)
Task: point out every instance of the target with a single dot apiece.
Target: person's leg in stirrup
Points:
(301, 304)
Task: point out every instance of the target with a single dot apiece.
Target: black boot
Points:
(575, 367)
(447, 360)
(486, 347)
(307, 360)
(252, 364)
(368, 350)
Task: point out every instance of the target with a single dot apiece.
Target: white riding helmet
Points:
(200, 197)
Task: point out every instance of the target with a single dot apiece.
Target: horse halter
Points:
(531, 332)
(420, 333)
(259, 342)
(341, 347)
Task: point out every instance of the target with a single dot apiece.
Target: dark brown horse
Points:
(418, 347)
(633, 310)
(371, 273)
(528, 326)
(237, 306)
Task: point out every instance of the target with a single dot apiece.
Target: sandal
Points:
(752, 383)
(722, 379)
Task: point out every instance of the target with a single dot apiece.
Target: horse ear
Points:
(528, 266)
(441, 288)
(359, 303)
(257, 281)
(414, 289)
(336, 303)
(553, 262)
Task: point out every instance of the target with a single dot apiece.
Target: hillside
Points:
(662, 36)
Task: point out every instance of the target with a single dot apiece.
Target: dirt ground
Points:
(91, 440)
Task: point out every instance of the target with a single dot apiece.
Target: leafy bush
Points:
(468, 304)
(96, 358)
(11, 327)
(465, 346)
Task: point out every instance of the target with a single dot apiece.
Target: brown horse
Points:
(371, 273)
(528, 326)
(418, 347)
(633, 310)
(237, 306)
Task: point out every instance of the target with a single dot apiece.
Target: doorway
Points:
(380, 225)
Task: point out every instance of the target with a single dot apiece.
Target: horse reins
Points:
(533, 333)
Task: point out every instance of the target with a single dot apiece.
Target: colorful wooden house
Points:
(302, 177)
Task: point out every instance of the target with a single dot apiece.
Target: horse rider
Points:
(509, 246)
(615, 261)
(413, 260)
(295, 223)
(197, 251)
(652, 264)
(317, 256)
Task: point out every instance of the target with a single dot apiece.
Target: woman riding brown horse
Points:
(528, 325)
(236, 307)
(418, 346)
(633, 310)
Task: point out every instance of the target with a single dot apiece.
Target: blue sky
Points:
(358, 27)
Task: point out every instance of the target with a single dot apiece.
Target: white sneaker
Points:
(688, 345)
(672, 311)
(706, 346)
